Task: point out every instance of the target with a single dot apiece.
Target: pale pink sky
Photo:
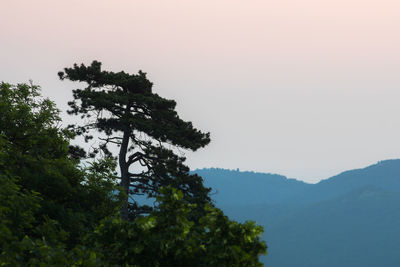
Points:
(302, 88)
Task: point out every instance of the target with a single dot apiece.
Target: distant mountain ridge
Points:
(233, 187)
(270, 188)
(351, 219)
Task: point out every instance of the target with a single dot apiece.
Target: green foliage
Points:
(47, 202)
(54, 212)
(168, 238)
(24, 239)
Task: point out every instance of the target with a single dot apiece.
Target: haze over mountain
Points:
(351, 219)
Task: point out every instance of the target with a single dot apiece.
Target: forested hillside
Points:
(351, 219)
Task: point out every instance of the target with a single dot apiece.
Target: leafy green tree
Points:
(167, 237)
(27, 239)
(144, 126)
(37, 168)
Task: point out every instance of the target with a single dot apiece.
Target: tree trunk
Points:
(124, 167)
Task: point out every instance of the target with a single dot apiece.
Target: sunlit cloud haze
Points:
(302, 88)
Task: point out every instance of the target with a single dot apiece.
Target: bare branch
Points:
(134, 158)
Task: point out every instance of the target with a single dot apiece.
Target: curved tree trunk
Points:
(124, 167)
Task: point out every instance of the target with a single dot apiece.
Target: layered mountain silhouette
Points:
(351, 219)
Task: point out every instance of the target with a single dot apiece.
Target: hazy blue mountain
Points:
(385, 174)
(351, 219)
(239, 188)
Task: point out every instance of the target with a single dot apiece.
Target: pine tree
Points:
(144, 126)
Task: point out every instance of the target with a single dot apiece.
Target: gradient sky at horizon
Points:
(305, 88)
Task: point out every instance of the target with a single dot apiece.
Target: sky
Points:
(303, 88)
